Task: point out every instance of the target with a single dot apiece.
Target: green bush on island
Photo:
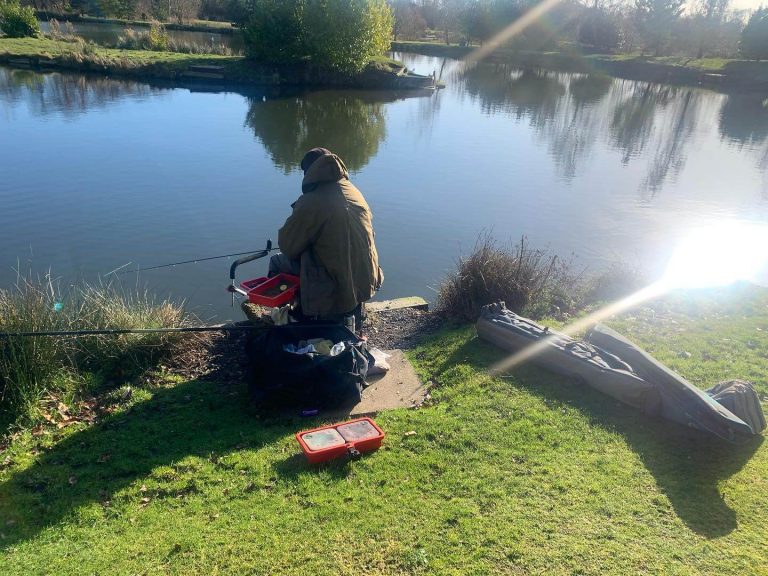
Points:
(18, 21)
(343, 35)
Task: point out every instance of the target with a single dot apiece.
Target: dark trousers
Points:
(281, 264)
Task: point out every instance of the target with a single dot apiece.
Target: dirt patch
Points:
(402, 329)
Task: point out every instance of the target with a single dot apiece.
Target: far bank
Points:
(710, 72)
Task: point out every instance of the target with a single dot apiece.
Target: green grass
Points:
(44, 47)
(523, 474)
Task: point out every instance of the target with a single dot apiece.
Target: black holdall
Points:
(279, 378)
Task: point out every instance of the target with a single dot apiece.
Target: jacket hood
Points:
(327, 168)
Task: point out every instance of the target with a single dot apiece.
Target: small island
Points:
(317, 53)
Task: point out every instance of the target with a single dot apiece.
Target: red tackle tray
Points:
(266, 291)
(338, 440)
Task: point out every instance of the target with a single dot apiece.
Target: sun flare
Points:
(719, 255)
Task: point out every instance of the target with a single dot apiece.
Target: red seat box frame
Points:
(343, 447)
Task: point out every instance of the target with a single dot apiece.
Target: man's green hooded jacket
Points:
(330, 231)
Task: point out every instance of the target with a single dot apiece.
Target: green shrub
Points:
(343, 35)
(158, 37)
(18, 21)
(275, 31)
(347, 34)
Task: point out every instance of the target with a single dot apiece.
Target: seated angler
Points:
(328, 241)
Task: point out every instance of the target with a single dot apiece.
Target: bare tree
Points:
(183, 10)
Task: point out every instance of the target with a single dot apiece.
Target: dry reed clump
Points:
(62, 34)
(158, 39)
(530, 281)
(104, 307)
(30, 367)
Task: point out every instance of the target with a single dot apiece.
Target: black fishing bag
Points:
(278, 378)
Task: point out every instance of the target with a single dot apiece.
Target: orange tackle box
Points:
(345, 439)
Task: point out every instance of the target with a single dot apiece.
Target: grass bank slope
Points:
(522, 474)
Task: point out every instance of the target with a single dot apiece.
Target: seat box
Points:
(340, 440)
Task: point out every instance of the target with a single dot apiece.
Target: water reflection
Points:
(528, 93)
(68, 94)
(744, 122)
(351, 124)
(649, 124)
(744, 119)
(589, 90)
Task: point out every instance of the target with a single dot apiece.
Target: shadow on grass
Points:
(687, 465)
(191, 419)
(295, 465)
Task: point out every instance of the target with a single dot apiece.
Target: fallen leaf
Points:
(72, 480)
(38, 430)
(410, 433)
(47, 417)
(63, 409)
(66, 422)
(143, 488)
(144, 501)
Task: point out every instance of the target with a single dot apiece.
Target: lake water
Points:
(98, 173)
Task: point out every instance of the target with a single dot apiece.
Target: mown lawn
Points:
(522, 474)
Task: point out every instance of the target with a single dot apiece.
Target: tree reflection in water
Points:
(351, 125)
(744, 122)
(67, 94)
(649, 123)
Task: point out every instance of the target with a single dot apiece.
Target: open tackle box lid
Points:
(349, 438)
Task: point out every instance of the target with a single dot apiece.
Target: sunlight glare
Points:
(719, 255)
(514, 29)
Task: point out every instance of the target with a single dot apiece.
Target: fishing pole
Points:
(193, 261)
(115, 331)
